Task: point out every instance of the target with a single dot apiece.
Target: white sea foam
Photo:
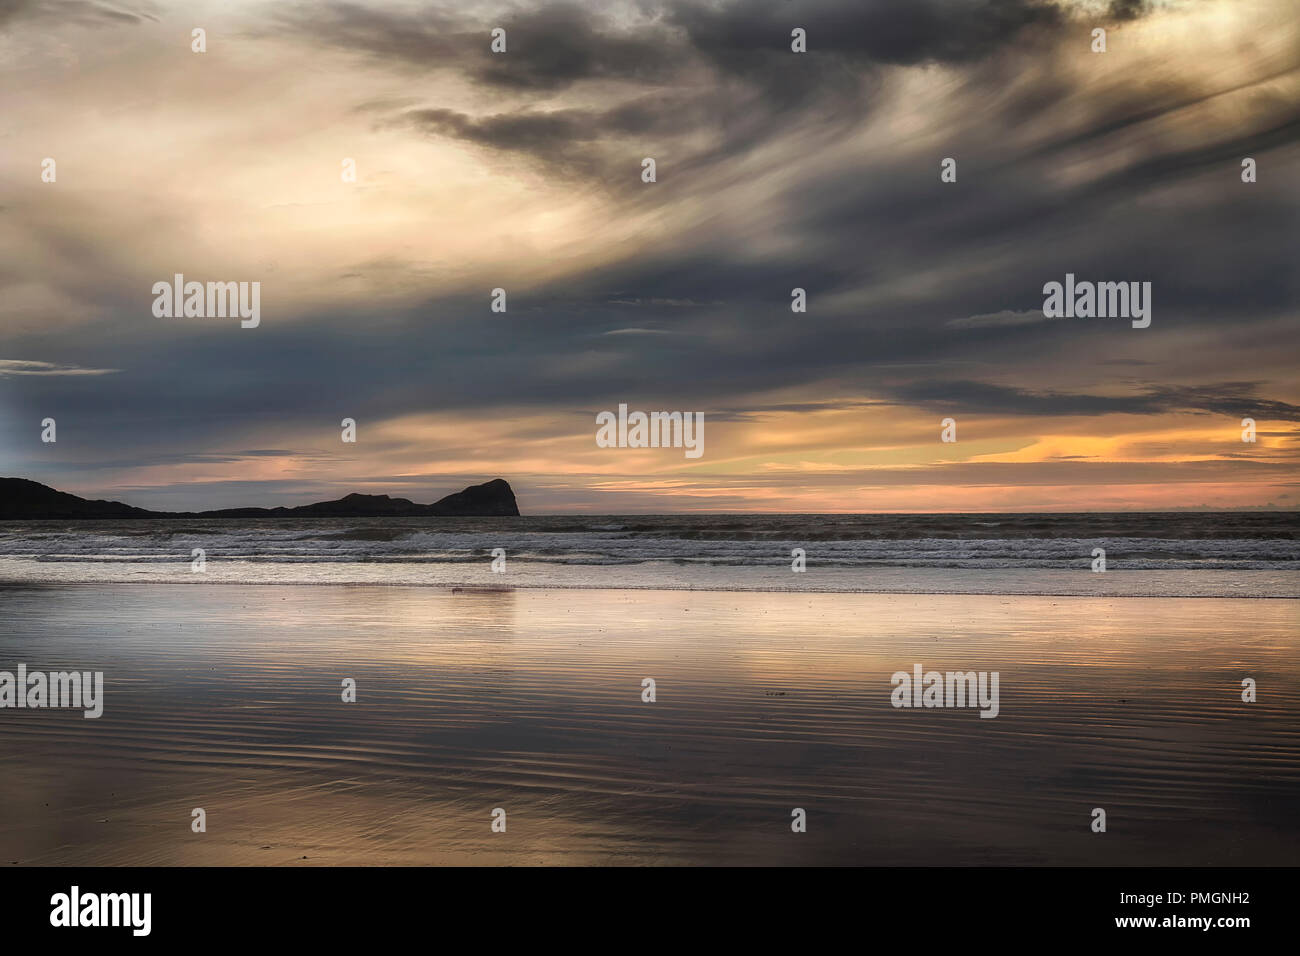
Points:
(664, 576)
(1149, 555)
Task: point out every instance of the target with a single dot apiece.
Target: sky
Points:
(774, 170)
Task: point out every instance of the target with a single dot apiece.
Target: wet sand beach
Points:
(228, 698)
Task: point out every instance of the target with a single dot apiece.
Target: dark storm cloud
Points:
(745, 46)
(215, 386)
(549, 48)
(1020, 200)
(1128, 9)
(756, 83)
(896, 32)
(556, 45)
(561, 139)
(1020, 204)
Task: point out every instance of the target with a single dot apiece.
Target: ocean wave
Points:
(668, 576)
(1182, 542)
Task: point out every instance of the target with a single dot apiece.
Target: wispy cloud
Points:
(28, 367)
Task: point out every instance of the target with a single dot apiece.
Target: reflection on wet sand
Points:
(230, 699)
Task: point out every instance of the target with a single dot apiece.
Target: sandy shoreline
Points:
(531, 699)
(1284, 584)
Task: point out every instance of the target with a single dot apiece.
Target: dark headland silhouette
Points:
(25, 500)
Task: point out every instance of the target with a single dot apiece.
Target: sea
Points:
(655, 690)
(1190, 554)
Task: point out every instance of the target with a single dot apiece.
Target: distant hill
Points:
(24, 500)
(20, 499)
